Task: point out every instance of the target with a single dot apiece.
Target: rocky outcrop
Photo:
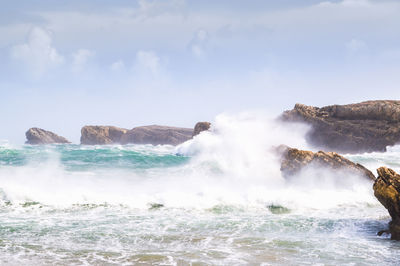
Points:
(354, 128)
(294, 160)
(157, 135)
(387, 191)
(200, 127)
(40, 136)
(99, 135)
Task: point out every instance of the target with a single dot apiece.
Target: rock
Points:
(353, 128)
(294, 160)
(387, 191)
(200, 127)
(157, 135)
(98, 135)
(40, 136)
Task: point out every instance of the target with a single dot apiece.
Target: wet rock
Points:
(353, 128)
(278, 209)
(387, 191)
(40, 136)
(294, 160)
(98, 135)
(200, 127)
(157, 135)
(156, 206)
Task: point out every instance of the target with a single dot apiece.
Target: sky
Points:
(66, 64)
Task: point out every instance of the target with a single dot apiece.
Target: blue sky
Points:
(66, 64)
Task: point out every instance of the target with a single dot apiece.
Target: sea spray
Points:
(243, 147)
(235, 163)
(217, 199)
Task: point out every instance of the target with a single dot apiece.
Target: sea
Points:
(217, 199)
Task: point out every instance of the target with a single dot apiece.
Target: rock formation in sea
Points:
(98, 135)
(387, 191)
(40, 136)
(200, 127)
(353, 128)
(157, 135)
(294, 160)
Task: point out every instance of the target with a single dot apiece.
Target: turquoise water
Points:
(77, 158)
(202, 203)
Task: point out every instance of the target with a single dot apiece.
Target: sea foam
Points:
(233, 164)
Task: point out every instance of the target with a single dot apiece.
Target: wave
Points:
(234, 164)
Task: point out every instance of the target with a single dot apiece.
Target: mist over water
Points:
(216, 199)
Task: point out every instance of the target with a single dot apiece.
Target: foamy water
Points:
(217, 199)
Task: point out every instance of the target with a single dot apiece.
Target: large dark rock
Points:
(40, 136)
(387, 191)
(157, 135)
(200, 127)
(98, 135)
(294, 160)
(354, 128)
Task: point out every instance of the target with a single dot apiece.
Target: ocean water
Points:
(218, 199)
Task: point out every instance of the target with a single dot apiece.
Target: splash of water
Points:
(233, 164)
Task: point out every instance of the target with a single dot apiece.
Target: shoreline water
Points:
(217, 199)
(67, 219)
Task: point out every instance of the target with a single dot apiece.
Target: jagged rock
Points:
(294, 160)
(98, 135)
(157, 135)
(353, 128)
(200, 127)
(40, 136)
(387, 191)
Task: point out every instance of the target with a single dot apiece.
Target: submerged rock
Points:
(353, 128)
(200, 127)
(278, 209)
(98, 135)
(157, 135)
(387, 191)
(156, 206)
(40, 136)
(294, 160)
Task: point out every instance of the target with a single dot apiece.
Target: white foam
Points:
(233, 164)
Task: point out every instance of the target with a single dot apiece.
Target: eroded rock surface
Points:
(294, 160)
(98, 135)
(157, 135)
(353, 128)
(40, 136)
(200, 127)
(387, 191)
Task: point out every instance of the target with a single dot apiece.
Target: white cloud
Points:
(172, 24)
(172, 27)
(336, 18)
(117, 65)
(357, 3)
(348, 3)
(198, 43)
(155, 7)
(37, 53)
(198, 51)
(201, 35)
(356, 45)
(81, 58)
(149, 72)
(147, 61)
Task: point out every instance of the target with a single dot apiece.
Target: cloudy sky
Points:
(65, 64)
